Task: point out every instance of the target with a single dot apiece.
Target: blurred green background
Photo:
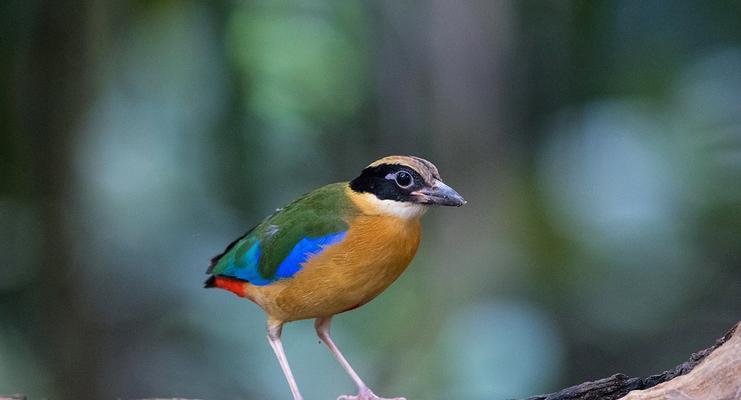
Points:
(597, 142)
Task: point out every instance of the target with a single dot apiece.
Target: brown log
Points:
(717, 377)
(710, 374)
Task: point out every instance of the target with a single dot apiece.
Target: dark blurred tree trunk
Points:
(442, 82)
(54, 90)
(451, 71)
(468, 48)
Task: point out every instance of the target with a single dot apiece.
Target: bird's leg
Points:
(364, 393)
(274, 331)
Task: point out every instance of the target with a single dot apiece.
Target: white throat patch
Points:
(399, 209)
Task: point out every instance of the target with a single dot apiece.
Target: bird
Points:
(333, 250)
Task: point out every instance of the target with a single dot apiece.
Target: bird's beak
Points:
(440, 194)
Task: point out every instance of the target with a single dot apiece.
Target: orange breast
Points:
(375, 251)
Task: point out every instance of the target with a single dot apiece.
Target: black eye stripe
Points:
(381, 180)
(388, 171)
(414, 174)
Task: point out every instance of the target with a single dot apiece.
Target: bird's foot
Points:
(366, 394)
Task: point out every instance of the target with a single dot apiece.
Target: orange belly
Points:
(375, 251)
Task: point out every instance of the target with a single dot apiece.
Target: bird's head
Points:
(404, 186)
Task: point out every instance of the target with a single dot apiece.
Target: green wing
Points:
(277, 247)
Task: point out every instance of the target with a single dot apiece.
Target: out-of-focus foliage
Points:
(598, 145)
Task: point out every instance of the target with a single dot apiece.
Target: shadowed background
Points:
(597, 143)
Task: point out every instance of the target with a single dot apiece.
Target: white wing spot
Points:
(272, 230)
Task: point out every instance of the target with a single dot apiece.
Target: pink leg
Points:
(274, 332)
(364, 393)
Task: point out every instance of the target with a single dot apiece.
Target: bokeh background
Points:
(597, 142)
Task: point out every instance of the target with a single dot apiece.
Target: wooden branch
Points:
(712, 374)
(718, 376)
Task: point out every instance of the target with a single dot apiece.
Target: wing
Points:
(278, 247)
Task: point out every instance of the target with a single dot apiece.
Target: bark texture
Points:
(710, 374)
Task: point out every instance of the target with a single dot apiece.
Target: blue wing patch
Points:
(301, 252)
(246, 266)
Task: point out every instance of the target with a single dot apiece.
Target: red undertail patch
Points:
(235, 286)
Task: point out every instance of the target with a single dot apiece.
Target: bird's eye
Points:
(404, 179)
